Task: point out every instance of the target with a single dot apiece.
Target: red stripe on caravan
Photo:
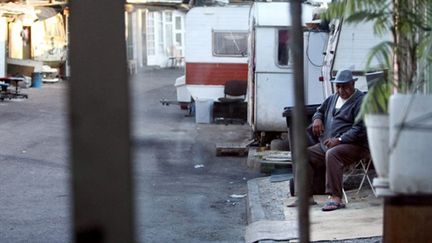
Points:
(215, 73)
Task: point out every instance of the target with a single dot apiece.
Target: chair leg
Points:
(365, 168)
(368, 178)
(365, 171)
(345, 196)
(365, 165)
(371, 185)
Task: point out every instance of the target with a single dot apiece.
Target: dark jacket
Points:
(342, 123)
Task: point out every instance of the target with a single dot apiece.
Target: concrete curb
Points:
(254, 209)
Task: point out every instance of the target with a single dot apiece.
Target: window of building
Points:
(129, 38)
(150, 34)
(168, 16)
(229, 43)
(179, 38)
(160, 45)
(178, 23)
(284, 46)
(169, 42)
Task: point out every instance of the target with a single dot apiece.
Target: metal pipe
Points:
(299, 122)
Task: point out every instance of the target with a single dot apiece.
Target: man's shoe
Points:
(332, 205)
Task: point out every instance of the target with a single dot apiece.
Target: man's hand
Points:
(331, 142)
(317, 127)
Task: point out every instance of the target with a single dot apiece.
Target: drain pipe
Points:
(299, 122)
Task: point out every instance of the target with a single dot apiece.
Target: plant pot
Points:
(377, 127)
(410, 137)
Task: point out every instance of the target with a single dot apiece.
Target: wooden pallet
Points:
(230, 149)
(274, 157)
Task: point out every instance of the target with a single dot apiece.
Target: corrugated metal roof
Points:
(45, 2)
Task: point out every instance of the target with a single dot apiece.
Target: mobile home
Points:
(270, 69)
(251, 43)
(215, 49)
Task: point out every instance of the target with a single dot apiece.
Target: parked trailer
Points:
(270, 71)
(219, 41)
(216, 49)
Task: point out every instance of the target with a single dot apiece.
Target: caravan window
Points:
(284, 45)
(228, 43)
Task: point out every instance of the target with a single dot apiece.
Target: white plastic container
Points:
(204, 111)
(377, 127)
(410, 138)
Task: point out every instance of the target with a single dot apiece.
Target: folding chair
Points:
(361, 168)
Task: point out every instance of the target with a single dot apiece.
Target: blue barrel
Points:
(36, 80)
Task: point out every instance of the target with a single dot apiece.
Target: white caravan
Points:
(251, 43)
(216, 49)
(271, 79)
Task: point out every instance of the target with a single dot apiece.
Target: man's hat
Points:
(343, 76)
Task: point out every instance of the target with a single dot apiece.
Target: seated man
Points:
(343, 141)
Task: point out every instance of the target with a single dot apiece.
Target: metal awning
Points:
(37, 12)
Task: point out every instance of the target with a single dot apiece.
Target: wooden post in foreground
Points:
(407, 219)
(99, 123)
(299, 121)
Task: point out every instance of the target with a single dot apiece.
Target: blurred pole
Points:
(299, 121)
(101, 179)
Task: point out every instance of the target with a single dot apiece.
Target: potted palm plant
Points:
(374, 109)
(406, 57)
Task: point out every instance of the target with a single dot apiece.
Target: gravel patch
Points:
(275, 194)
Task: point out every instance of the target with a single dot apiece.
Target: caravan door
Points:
(271, 75)
(274, 75)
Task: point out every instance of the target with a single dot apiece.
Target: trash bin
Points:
(36, 80)
(203, 111)
(288, 113)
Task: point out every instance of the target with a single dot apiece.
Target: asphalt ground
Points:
(182, 190)
(34, 173)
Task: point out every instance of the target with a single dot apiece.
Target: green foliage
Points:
(383, 53)
(376, 100)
